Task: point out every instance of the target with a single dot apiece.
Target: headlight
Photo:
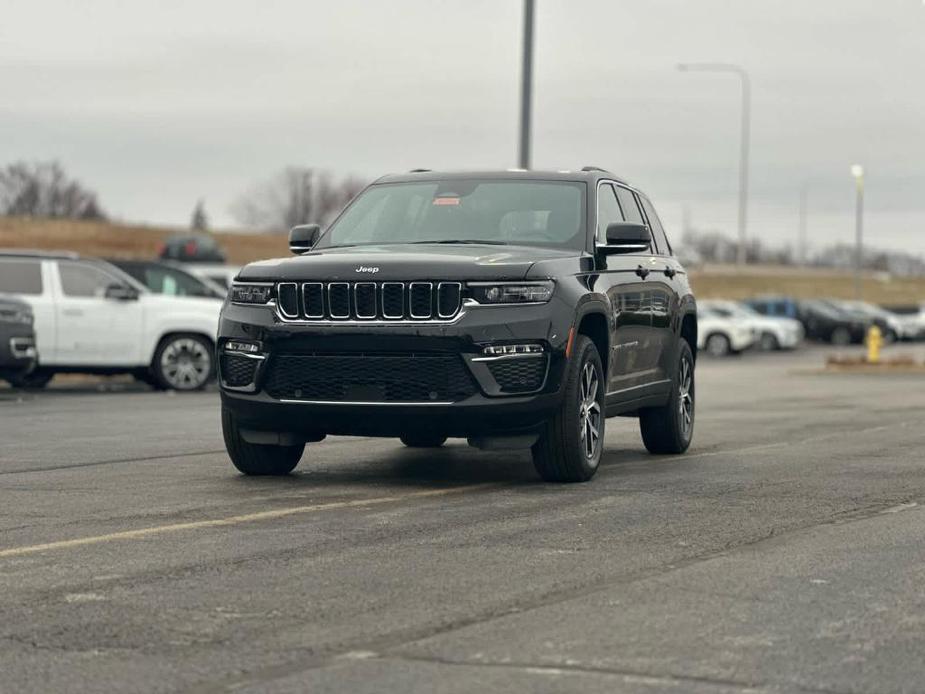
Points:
(15, 316)
(511, 292)
(251, 293)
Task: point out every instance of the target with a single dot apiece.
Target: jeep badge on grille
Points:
(370, 270)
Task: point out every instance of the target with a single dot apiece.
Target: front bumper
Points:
(17, 351)
(487, 410)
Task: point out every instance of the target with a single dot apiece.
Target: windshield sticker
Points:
(446, 201)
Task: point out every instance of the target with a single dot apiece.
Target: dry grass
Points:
(123, 241)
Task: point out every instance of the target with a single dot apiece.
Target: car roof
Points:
(588, 174)
(35, 253)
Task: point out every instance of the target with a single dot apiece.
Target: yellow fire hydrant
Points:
(874, 343)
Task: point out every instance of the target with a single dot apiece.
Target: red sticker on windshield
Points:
(446, 201)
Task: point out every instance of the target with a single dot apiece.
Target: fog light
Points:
(240, 346)
(502, 350)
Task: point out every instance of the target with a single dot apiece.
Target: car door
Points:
(665, 287)
(28, 279)
(626, 291)
(94, 330)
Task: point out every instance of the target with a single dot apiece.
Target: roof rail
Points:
(594, 168)
(419, 170)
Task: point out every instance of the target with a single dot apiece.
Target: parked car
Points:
(192, 248)
(219, 275)
(891, 325)
(721, 333)
(820, 320)
(773, 332)
(912, 319)
(90, 317)
(169, 278)
(516, 309)
(17, 339)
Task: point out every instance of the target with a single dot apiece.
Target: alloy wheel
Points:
(589, 411)
(686, 397)
(186, 364)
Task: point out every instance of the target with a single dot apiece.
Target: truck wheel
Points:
(183, 362)
(254, 459)
(670, 428)
(34, 380)
(569, 449)
(423, 440)
(718, 345)
(768, 342)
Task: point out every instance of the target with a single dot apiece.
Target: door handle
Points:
(643, 272)
(670, 271)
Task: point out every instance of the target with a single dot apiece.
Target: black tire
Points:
(668, 429)
(145, 376)
(840, 336)
(192, 356)
(34, 380)
(717, 345)
(254, 459)
(562, 452)
(423, 440)
(768, 342)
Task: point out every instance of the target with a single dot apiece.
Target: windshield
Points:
(529, 213)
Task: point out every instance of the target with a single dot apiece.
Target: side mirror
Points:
(303, 237)
(626, 237)
(120, 292)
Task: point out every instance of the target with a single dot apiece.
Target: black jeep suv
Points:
(516, 309)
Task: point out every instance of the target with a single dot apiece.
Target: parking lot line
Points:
(233, 520)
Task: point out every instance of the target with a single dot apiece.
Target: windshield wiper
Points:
(475, 241)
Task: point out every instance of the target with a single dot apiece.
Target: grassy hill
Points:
(711, 281)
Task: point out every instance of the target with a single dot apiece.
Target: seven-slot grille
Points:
(333, 301)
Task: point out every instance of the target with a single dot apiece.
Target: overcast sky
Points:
(156, 104)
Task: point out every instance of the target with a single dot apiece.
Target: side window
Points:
(20, 276)
(628, 204)
(80, 280)
(607, 210)
(658, 232)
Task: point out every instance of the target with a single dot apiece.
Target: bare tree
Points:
(295, 196)
(199, 220)
(42, 189)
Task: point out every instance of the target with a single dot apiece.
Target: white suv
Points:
(90, 317)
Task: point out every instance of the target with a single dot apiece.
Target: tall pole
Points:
(526, 86)
(744, 145)
(801, 234)
(858, 172)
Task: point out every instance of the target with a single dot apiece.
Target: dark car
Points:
(192, 248)
(17, 339)
(515, 309)
(166, 278)
(821, 320)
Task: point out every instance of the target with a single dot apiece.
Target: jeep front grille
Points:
(361, 301)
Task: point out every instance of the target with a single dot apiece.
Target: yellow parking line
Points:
(232, 520)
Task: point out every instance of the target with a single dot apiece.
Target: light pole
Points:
(804, 212)
(744, 146)
(526, 86)
(858, 172)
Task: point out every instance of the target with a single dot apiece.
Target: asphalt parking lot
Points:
(782, 553)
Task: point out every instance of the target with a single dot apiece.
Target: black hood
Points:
(406, 262)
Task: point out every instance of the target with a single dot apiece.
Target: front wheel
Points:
(34, 380)
(569, 448)
(717, 345)
(670, 428)
(769, 342)
(254, 459)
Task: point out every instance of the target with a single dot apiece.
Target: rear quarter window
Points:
(20, 276)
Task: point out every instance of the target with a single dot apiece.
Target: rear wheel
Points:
(569, 449)
(183, 362)
(423, 440)
(670, 428)
(254, 459)
(718, 345)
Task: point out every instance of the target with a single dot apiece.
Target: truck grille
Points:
(353, 377)
(385, 301)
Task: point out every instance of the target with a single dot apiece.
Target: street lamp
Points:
(743, 150)
(858, 172)
(526, 86)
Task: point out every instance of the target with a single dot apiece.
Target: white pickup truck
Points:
(90, 317)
